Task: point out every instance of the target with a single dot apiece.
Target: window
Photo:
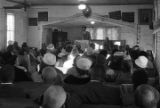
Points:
(10, 27)
(101, 33)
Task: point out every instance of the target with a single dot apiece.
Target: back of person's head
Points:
(143, 53)
(98, 73)
(146, 96)
(49, 59)
(83, 65)
(139, 77)
(103, 52)
(100, 59)
(116, 62)
(7, 74)
(126, 68)
(110, 75)
(92, 45)
(54, 97)
(49, 74)
(68, 48)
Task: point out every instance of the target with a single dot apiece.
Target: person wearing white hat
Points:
(49, 59)
(51, 48)
(141, 62)
(79, 74)
(54, 97)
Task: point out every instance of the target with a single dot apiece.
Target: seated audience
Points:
(79, 74)
(49, 59)
(23, 61)
(146, 96)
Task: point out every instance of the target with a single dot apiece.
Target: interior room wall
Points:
(20, 24)
(74, 33)
(58, 12)
(2, 26)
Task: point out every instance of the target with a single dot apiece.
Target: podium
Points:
(83, 43)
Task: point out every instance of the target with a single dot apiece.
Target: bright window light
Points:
(117, 43)
(100, 34)
(10, 27)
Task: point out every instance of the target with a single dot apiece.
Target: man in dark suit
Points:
(93, 92)
(85, 34)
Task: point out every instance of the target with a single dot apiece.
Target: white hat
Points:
(62, 53)
(50, 47)
(49, 59)
(83, 63)
(141, 62)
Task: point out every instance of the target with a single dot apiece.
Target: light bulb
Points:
(82, 6)
(92, 22)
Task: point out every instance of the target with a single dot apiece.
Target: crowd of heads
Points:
(73, 65)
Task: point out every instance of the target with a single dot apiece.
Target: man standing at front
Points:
(85, 34)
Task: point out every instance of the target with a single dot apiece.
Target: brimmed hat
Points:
(62, 53)
(49, 59)
(83, 63)
(50, 47)
(141, 62)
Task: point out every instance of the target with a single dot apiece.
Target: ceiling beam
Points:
(14, 1)
(109, 4)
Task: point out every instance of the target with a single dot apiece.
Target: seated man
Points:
(146, 96)
(85, 34)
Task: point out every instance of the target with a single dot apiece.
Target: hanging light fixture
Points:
(82, 6)
(92, 22)
(87, 12)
